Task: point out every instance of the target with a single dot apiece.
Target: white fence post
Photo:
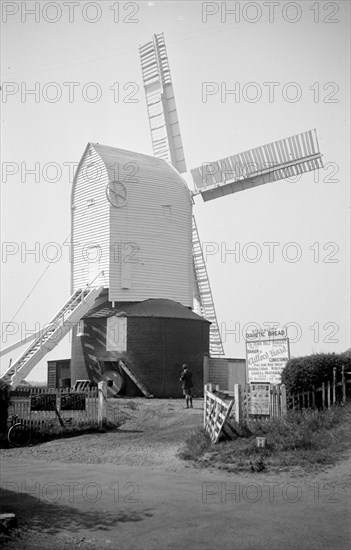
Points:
(207, 388)
(102, 403)
(237, 404)
(283, 403)
(205, 404)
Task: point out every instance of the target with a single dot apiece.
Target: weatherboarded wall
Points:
(143, 245)
(226, 372)
(90, 247)
(219, 372)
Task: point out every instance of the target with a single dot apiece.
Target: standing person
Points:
(187, 384)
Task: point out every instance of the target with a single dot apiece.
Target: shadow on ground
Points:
(52, 518)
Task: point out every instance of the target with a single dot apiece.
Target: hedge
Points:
(300, 373)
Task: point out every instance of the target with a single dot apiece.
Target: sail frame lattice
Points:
(203, 294)
(161, 107)
(274, 161)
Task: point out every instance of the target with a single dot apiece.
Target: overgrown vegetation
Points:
(305, 440)
(4, 404)
(301, 373)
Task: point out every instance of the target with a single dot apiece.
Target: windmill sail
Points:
(203, 294)
(161, 107)
(275, 161)
(167, 144)
(278, 160)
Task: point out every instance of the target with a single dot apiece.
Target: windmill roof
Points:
(158, 307)
(108, 154)
(112, 155)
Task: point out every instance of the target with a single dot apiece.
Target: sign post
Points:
(267, 353)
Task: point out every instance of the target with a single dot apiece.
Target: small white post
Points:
(237, 404)
(102, 403)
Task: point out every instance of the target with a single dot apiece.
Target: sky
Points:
(275, 69)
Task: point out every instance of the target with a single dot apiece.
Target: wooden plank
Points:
(228, 411)
(135, 379)
(207, 420)
(215, 398)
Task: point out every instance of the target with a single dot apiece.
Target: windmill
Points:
(277, 160)
(137, 265)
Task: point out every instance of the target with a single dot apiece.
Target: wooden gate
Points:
(216, 412)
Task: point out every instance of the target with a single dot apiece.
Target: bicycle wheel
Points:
(19, 435)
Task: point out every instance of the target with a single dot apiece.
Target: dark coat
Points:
(186, 379)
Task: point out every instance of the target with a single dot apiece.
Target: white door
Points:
(93, 257)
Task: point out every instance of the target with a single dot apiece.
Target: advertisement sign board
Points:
(260, 398)
(72, 402)
(266, 359)
(43, 402)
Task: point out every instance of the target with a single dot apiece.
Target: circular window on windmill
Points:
(116, 193)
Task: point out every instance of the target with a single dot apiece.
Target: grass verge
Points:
(305, 440)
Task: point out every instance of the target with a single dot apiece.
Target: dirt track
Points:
(150, 433)
(127, 490)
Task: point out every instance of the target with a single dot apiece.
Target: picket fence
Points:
(329, 393)
(64, 408)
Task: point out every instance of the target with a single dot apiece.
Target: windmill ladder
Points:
(73, 310)
(135, 378)
(205, 294)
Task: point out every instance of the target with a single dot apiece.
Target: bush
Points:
(301, 373)
(196, 445)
